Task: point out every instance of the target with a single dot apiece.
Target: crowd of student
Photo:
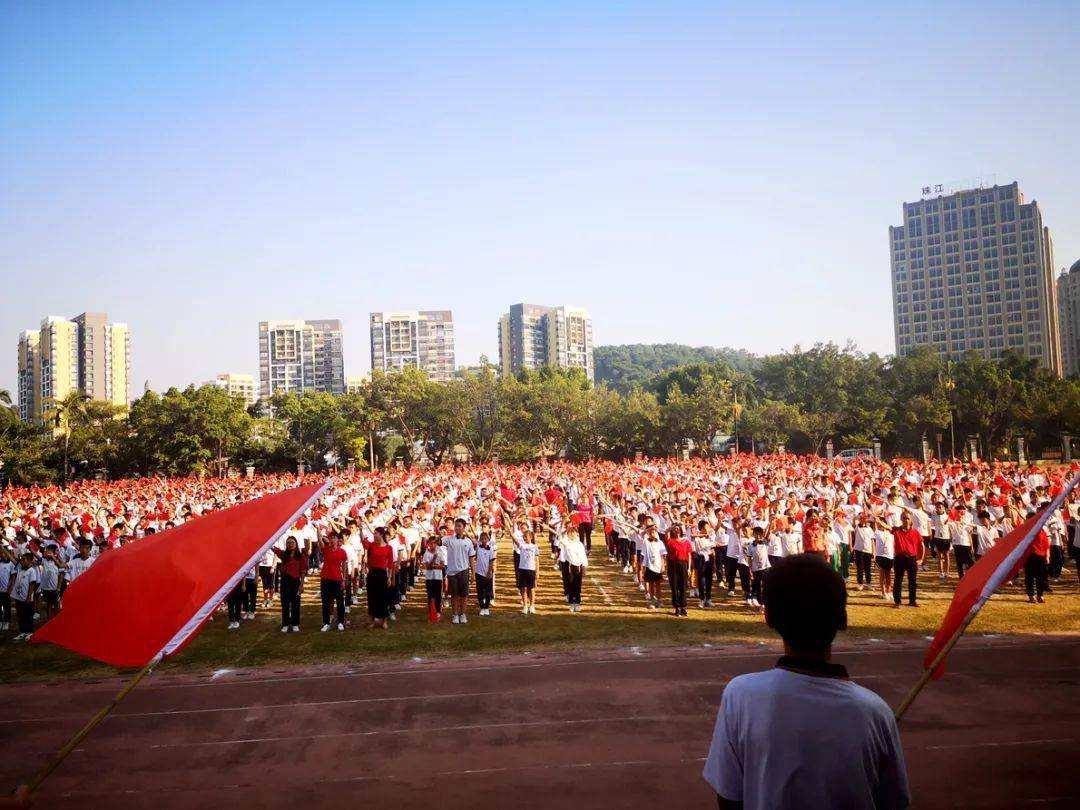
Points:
(706, 529)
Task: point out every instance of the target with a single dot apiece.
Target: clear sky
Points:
(696, 172)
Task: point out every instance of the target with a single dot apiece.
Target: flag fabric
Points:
(148, 599)
(999, 565)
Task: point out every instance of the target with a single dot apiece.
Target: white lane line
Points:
(599, 587)
(998, 744)
(384, 776)
(430, 730)
(715, 654)
(258, 706)
(519, 768)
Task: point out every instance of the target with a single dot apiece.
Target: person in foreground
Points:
(803, 734)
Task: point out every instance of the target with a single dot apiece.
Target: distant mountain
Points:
(636, 364)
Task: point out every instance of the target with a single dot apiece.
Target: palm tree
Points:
(63, 413)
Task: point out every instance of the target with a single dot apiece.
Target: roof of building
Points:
(1076, 267)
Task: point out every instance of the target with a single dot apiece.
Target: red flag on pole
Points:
(148, 599)
(983, 579)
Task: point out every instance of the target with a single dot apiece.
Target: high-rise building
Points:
(354, 385)
(85, 353)
(423, 340)
(103, 358)
(532, 336)
(236, 385)
(973, 272)
(29, 376)
(1068, 293)
(299, 356)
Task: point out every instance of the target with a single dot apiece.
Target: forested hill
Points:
(635, 364)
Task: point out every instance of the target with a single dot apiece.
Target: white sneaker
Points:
(393, 617)
(730, 594)
(708, 603)
(340, 626)
(296, 628)
(532, 609)
(572, 609)
(285, 629)
(701, 604)
(463, 619)
(325, 627)
(693, 592)
(641, 586)
(651, 606)
(232, 625)
(525, 610)
(346, 608)
(455, 620)
(748, 600)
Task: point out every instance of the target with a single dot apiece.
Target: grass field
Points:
(614, 614)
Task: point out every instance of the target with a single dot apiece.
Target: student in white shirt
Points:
(704, 548)
(577, 560)
(884, 554)
(485, 573)
(864, 551)
(653, 552)
(23, 592)
(7, 576)
(433, 564)
(528, 554)
(49, 580)
(460, 556)
(940, 540)
(960, 538)
(760, 758)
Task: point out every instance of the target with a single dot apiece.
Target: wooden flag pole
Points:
(929, 671)
(71, 744)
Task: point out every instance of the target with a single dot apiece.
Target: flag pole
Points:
(94, 721)
(928, 672)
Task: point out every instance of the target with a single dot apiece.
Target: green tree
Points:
(62, 415)
(772, 421)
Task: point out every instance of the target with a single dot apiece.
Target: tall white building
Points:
(85, 353)
(241, 386)
(1068, 293)
(973, 272)
(532, 336)
(299, 356)
(418, 339)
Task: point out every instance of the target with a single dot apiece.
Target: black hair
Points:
(805, 602)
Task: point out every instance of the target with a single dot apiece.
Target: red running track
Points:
(626, 728)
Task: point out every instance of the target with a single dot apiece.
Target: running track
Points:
(619, 728)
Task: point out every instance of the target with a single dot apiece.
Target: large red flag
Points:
(982, 580)
(148, 599)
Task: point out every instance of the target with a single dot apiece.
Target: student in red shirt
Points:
(293, 567)
(380, 561)
(908, 553)
(678, 562)
(331, 577)
(1036, 568)
(813, 535)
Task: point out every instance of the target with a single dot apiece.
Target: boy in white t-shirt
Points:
(24, 587)
(485, 573)
(759, 758)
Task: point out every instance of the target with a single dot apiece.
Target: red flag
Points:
(982, 580)
(148, 599)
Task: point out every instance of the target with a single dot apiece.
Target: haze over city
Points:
(688, 172)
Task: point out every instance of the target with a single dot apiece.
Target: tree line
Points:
(798, 399)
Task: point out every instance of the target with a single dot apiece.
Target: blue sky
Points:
(705, 173)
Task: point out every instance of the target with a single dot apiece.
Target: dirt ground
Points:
(626, 727)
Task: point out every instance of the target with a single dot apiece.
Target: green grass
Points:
(614, 615)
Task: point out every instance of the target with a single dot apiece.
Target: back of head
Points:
(806, 603)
